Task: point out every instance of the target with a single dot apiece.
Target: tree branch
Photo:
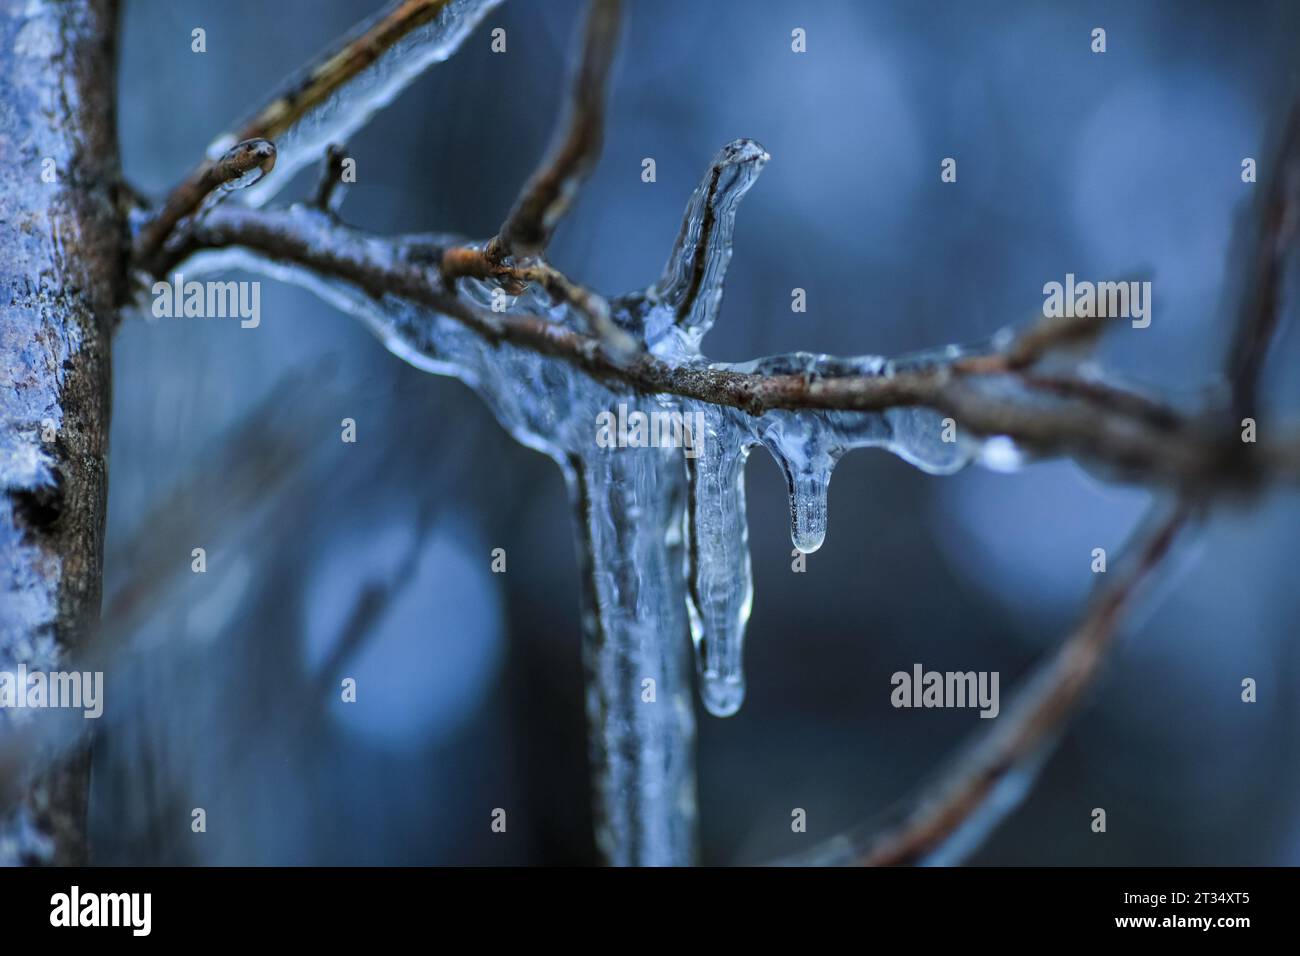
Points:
(1044, 416)
(61, 281)
(239, 164)
(945, 813)
(1276, 220)
(548, 193)
(992, 393)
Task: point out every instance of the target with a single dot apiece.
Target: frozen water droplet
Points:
(808, 509)
(807, 445)
(256, 157)
(1000, 453)
(721, 693)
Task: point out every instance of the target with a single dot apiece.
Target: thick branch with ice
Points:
(61, 281)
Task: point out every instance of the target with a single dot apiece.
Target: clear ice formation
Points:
(351, 106)
(662, 537)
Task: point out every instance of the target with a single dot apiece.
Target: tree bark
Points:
(62, 276)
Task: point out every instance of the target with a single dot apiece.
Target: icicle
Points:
(808, 507)
(630, 512)
(807, 449)
(721, 586)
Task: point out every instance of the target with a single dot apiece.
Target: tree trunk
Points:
(62, 273)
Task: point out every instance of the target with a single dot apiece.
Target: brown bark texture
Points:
(62, 267)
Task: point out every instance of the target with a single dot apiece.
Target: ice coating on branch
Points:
(244, 181)
(663, 535)
(350, 107)
(682, 306)
(244, 164)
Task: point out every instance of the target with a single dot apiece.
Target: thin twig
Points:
(547, 194)
(1045, 336)
(467, 261)
(328, 194)
(591, 305)
(549, 191)
(1276, 221)
(941, 813)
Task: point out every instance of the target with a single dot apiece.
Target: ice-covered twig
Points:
(951, 817)
(616, 343)
(239, 166)
(514, 256)
(1036, 342)
(458, 262)
(330, 100)
(1043, 415)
